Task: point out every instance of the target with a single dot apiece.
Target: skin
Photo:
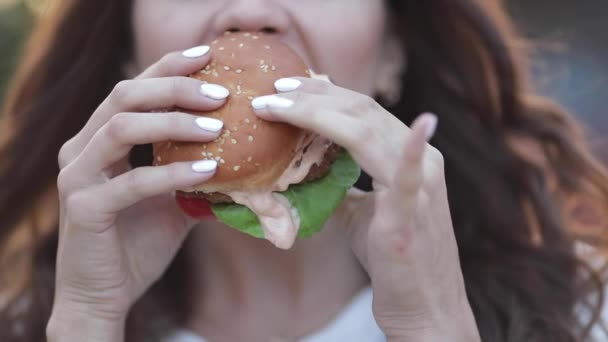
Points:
(120, 228)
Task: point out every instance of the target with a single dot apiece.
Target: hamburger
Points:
(274, 180)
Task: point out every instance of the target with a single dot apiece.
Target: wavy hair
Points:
(516, 165)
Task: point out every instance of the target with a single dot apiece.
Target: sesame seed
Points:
(261, 62)
(250, 138)
(247, 34)
(204, 154)
(247, 119)
(222, 161)
(233, 55)
(208, 67)
(236, 168)
(273, 68)
(176, 147)
(221, 48)
(233, 141)
(227, 132)
(159, 159)
(227, 68)
(238, 71)
(232, 39)
(255, 37)
(267, 47)
(218, 158)
(255, 126)
(204, 146)
(250, 98)
(215, 42)
(235, 128)
(216, 74)
(241, 45)
(249, 159)
(220, 150)
(209, 154)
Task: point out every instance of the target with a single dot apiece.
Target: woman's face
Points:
(344, 39)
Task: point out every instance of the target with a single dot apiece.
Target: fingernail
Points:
(204, 166)
(259, 102)
(214, 91)
(287, 84)
(271, 101)
(209, 124)
(196, 52)
(431, 126)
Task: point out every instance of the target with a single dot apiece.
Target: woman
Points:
(484, 250)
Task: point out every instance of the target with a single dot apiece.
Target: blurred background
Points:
(570, 65)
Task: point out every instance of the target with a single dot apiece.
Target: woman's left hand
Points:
(402, 231)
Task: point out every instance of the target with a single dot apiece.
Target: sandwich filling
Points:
(279, 220)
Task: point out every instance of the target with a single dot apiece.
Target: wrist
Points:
(73, 322)
(457, 327)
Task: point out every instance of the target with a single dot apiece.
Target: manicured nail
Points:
(431, 126)
(209, 124)
(259, 102)
(214, 91)
(287, 84)
(196, 52)
(204, 166)
(271, 101)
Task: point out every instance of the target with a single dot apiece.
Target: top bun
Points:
(251, 153)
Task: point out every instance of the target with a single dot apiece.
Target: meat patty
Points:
(316, 171)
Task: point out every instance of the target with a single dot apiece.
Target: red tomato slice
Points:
(194, 207)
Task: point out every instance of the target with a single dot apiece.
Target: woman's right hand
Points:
(120, 227)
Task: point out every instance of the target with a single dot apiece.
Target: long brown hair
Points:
(465, 63)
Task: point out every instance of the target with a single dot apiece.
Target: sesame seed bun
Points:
(251, 153)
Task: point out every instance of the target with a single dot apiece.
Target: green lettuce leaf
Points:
(315, 201)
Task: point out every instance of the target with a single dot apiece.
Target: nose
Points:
(252, 15)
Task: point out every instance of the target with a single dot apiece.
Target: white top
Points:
(354, 323)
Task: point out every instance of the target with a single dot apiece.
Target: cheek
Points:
(350, 53)
(159, 28)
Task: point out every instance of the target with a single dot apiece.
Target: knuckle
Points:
(437, 157)
(116, 128)
(362, 129)
(65, 154)
(321, 86)
(121, 91)
(177, 87)
(135, 182)
(64, 181)
(164, 65)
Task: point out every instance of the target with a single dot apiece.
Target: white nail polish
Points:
(209, 124)
(204, 166)
(279, 102)
(431, 126)
(287, 84)
(214, 91)
(259, 102)
(196, 52)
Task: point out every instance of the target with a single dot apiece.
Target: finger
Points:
(410, 172)
(151, 94)
(147, 93)
(358, 125)
(116, 138)
(144, 182)
(319, 86)
(398, 206)
(179, 63)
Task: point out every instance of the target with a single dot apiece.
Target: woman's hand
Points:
(120, 227)
(402, 231)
